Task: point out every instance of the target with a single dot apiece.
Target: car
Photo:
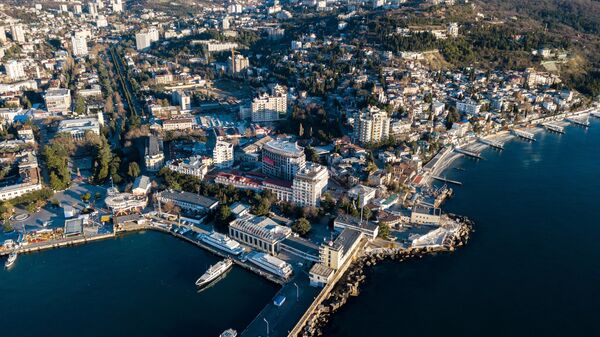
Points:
(279, 300)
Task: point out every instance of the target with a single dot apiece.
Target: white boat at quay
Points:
(222, 242)
(214, 272)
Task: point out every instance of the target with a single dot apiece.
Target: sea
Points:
(532, 266)
(139, 284)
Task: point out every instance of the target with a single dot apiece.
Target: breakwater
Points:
(350, 282)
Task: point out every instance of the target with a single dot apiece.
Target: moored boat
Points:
(12, 258)
(214, 272)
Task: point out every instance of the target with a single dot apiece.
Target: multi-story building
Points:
(187, 201)
(29, 178)
(18, 35)
(259, 232)
(468, 106)
(58, 100)
(92, 9)
(269, 108)
(282, 159)
(309, 184)
(79, 41)
(182, 99)
(117, 6)
(223, 154)
(214, 46)
(178, 124)
(14, 70)
(154, 158)
(2, 34)
(335, 254)
(238, 64)
(77, 128)
(422, 214)
(194, 166)
(371, 125)
(144, 38)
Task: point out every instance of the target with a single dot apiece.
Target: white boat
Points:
(214, 272)
(222, 242)
(12, 258)
(228, 333)
(271, 264)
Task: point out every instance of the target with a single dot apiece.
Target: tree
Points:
(223, 215)
(301, 226)
(384, 231)
(86, 197)
(79, 105)
(103, 159)
(134, 170)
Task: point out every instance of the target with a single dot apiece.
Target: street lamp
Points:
(264, 319)
(297, 292)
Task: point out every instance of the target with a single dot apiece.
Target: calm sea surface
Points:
(532, 268)
(135, 285)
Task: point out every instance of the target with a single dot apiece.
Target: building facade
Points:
(282, 159)
(372, 125)
(309, 184)
(223, 154)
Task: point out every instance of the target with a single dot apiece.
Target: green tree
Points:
(134, 170)
(80, 105)
(302, 226)
(384, 231)
(223, 215)
(86, 197)
(103, 159)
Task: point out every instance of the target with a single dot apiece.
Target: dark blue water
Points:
(532, 268)
(135, 285)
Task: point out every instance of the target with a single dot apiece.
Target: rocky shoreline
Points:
(350, 283)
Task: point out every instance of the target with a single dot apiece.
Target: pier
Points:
(595, 113)
(524, 135)
(579, 121)
(446, 180)
(554, 128)
(468, 153)
(492, 143)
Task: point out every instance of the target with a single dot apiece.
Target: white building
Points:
(2, 34)
(193, 166)
(154, 158)
(259, 232)
(269, 108)
(144, 38)
(14, 70)
(18, 35)
(182, 99)
(238, 64)
(372, 125)
(78, 127)
(309, 184)
(282, 159)
(223, 154)
(79, 41)
(58, 100)
(92, 9)
(468, 106)
(117, 6)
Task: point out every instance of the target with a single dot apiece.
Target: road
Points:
(282, 319)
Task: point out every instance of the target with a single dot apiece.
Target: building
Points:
(238, 64)
(154, 158)
(14, 70)
(188, 201)
(29, 178)
(372, 125)
(422, 214)
(309, 184)
(223, 154)
(269, 108)
(141, 185)
(468, 106)
(125, 203)
(193, 166)
(144, 38)
(320, 275)
(259, 232)
(282, 159)
(18, 35)
(178, 124)
(335, 253)
(364, 193)
(92, 9)
(2, 34)
(452, 29)
(58, 100)
(77, 128)
(79, 42)
(214, 46)
(182, 99)
(117, 6)
(344, 221)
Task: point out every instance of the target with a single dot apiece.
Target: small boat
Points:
(214, 272)
(228, 333)
(12, 258)
(459, 168)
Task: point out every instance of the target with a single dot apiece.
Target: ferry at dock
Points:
(214, 272)
(12, 258)
(271, 264)
(222, 242)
